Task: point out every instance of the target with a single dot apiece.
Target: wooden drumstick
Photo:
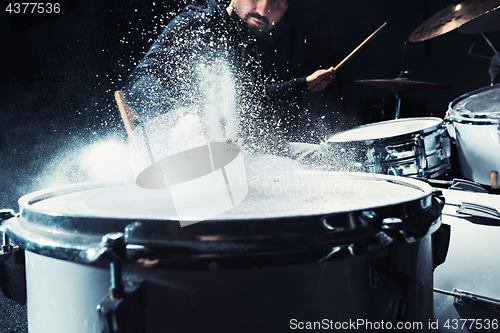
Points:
(494, 180)
(360, 46)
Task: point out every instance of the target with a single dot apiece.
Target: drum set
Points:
(465, 290)
(386, 247)
(421, 146)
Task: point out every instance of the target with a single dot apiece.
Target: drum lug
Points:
(125, 314)
(7, 247)
(374, 157)
(444, 143)
(438, 194)
(12, 265)
(134, 232)
(119, 311)
(393, 227)
(450, 127)
(420, 155)
(115, 242)
(13, 275)
(392, 224)
(415, 228)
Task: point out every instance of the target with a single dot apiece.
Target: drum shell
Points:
(279, 267)
(62, 295)
(477, 135)
(478, 148)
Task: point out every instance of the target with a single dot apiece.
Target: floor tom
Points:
(474, 124)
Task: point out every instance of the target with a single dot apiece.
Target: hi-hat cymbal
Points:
(401, 84)
(489, 21)
(451, 18)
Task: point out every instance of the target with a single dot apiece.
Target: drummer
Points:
(205, 69)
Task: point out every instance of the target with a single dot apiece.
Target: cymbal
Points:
(451, 18)
(401, 84)
(489, 21)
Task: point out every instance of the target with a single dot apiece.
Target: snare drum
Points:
(474, 124)
(402, 147)
(303, 247)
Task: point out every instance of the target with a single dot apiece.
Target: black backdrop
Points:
(58, 74)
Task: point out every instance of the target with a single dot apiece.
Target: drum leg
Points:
(398, 105)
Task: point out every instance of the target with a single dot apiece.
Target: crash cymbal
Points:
(451, 18)
(489, 21)
(401, 84)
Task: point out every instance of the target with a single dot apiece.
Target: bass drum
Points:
(403, 147)
(304, 249)
(474, 124)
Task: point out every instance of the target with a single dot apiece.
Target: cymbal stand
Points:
(402, 71)
(482, 56)
(489, 42)
(475, 54)
(399, 94)
(492, 78)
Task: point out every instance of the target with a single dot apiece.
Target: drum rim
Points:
(26, 201)
(460, 117)
(426, 130)
(30, 233)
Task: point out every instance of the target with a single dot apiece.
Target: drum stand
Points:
(401, 84)
(398, 104)
(399, 94)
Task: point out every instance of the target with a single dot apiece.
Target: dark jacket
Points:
(183, 67)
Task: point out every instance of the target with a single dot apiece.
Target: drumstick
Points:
(358, 48)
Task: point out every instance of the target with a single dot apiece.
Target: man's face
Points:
(259, 16)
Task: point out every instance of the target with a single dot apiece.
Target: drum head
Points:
(479, 104)
(387, 129)
(285, 195)
(303, 211)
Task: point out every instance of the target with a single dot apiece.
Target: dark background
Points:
(58, 75)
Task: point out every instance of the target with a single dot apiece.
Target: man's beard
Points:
(251, 29)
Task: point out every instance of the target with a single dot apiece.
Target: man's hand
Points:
(320, 79)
